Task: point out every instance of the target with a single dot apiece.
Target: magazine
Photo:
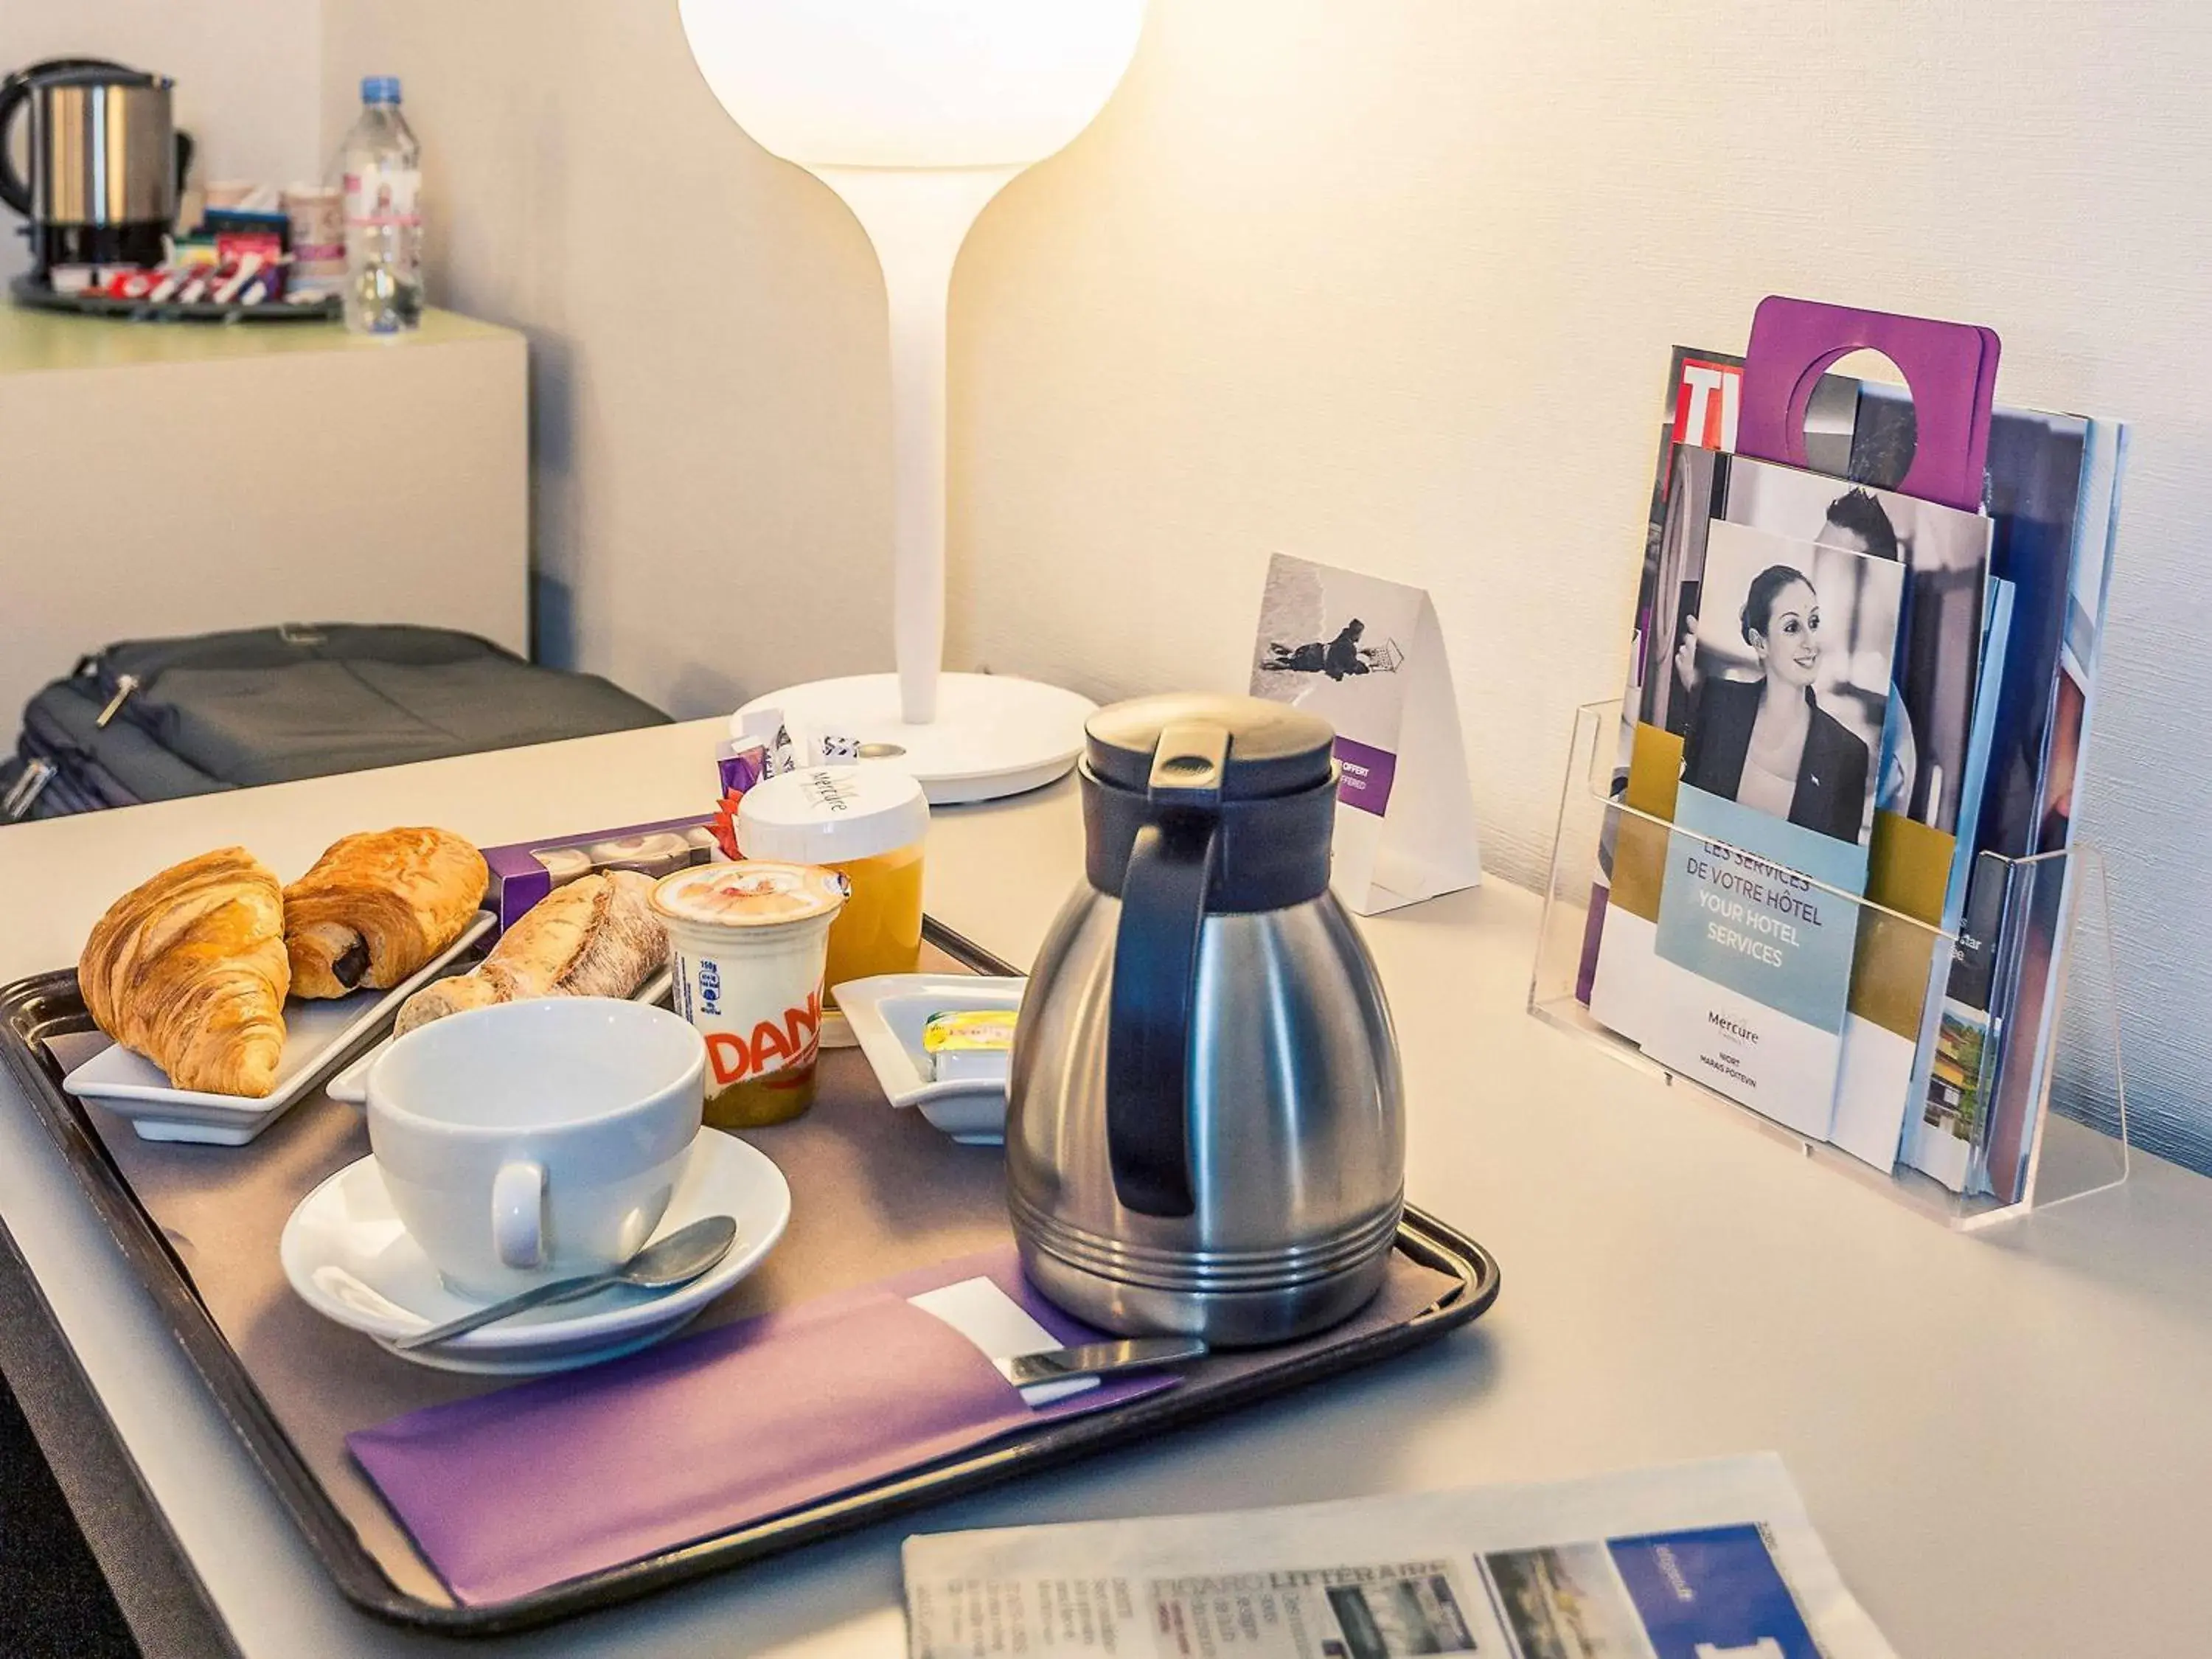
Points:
(1943, 1105)
(2008, 1145)
(1696, 429)
(1713, 1561)
(2054, 484)
(1697, 432)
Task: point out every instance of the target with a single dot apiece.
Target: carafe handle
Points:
(1164, 897)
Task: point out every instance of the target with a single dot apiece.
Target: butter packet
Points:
(969, 1045)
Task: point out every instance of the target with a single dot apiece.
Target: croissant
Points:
(597, 937)
(189, 970)
(377, 906)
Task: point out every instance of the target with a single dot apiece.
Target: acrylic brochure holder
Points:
(2032, 1116)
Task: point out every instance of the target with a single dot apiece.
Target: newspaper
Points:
(1714, 1560)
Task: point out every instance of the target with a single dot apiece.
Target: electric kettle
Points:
(1205, 1132)
(105, 161)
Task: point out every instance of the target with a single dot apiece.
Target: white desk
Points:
(2006, 1441)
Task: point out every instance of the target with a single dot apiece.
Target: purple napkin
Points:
(513, 1491)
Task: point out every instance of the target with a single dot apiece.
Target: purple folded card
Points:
(517, 1490)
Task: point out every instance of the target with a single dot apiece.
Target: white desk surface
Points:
(2006, 1440)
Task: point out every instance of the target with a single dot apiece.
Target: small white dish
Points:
(352, 1085)
(348, 1257)
(887, 1014)
(316, 1034)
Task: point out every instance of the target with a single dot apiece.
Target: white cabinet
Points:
(174, 478)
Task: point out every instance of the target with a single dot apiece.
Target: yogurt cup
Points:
(748, 943)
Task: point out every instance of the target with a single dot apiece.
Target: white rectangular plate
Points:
(887, 1014)
(316, 1034)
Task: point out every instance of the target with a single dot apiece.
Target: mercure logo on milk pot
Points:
(733, 1056)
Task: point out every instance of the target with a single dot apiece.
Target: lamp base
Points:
(994, 735)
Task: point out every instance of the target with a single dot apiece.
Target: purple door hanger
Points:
(1950, 368)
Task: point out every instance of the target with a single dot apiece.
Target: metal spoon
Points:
(660, 1266)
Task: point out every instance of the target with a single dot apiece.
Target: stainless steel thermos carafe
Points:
(1205, 1132)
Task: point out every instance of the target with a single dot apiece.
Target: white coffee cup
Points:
(532, 1141)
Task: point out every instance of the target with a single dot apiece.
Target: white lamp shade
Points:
(916, 112)
(913, 83)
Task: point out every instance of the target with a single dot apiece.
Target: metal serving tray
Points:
(876, 1190)
(30, 291)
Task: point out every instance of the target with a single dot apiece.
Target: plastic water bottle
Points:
(382, 167)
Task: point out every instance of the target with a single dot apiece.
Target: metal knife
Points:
(1097, 1359)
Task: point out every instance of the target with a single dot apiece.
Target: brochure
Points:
(1712, 1560)
(1926, 759)
(1740, 975)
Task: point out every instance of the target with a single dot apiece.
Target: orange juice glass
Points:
(868, 823)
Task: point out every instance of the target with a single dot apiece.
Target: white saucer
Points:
(346, 1252)
(887, 1014)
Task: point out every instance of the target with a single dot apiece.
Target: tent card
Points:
(1367, 656)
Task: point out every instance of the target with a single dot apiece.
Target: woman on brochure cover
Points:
(1767, 743)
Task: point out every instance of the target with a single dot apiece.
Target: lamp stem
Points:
(918, 493)
(917, 220)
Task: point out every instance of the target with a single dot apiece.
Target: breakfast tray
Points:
(875, 1191)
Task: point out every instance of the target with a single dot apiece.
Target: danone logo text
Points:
(732, 1056)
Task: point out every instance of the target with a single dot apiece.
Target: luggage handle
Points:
(24, 793)
(1950, 369)
(124, 685)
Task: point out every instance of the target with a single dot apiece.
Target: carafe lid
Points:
(1273, 749)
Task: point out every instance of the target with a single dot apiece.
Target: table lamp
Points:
(917, 112)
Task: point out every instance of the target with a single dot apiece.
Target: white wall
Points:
(246, 72)
(1391, 286)
(710, 419)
